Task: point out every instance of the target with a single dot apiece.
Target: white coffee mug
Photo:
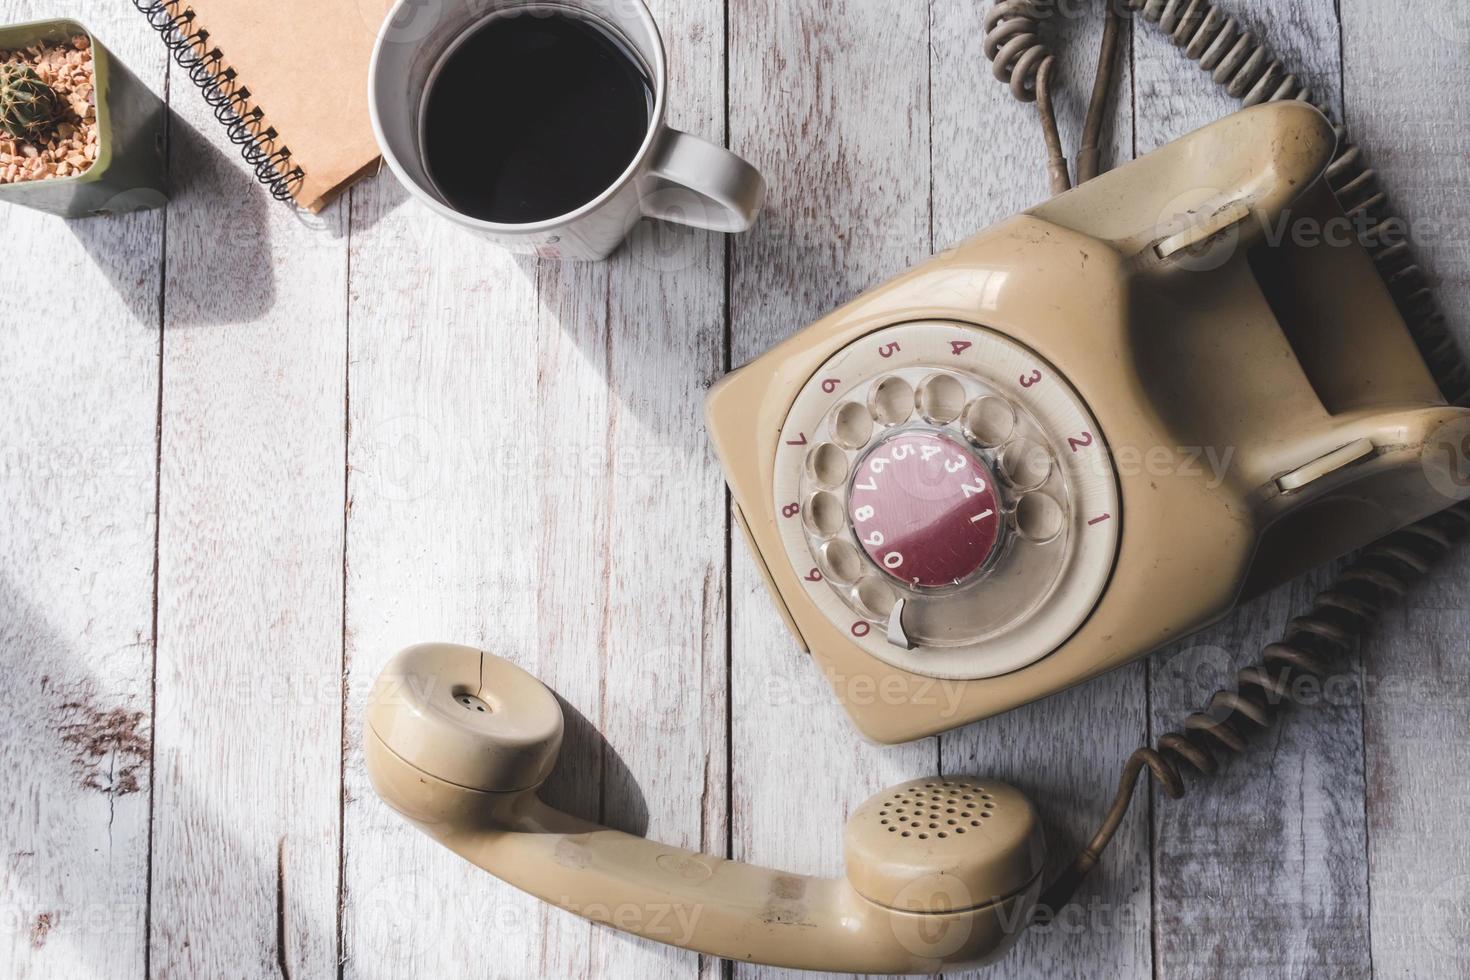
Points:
(674, 177)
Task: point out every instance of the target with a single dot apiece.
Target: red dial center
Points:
(924, 509)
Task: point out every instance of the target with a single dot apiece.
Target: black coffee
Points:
(532, 116)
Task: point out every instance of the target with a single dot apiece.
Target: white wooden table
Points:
(244, 457)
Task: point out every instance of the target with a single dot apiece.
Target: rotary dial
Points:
(947, 500)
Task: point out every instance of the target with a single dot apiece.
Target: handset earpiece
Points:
(940, 872)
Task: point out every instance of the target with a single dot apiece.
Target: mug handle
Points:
(692, 182)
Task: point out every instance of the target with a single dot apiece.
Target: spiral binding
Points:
(226, 94)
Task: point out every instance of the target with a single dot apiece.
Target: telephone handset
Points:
(940, 872)
(1084, 433)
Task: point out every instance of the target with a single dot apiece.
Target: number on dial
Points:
(924, 509)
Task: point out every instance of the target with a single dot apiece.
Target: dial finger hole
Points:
(989, 421)
(941, 398)
(827, 466)
(823, 514)
(852, 427)
(874, 598)
(1039, 518)
(1026, 464)
(892, 401)
(842, 563)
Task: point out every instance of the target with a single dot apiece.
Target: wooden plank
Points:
(566, 512)
(247, 801)
(1065, 752)
(665, 684)
(1260, 870)
(1405, 86)
(79, 369)
(443, 433)
(448, 342)
(831, 101)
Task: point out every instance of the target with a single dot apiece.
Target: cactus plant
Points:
(28, 105)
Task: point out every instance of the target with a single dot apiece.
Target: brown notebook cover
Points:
(294, 72)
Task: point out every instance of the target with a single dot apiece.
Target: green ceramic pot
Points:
(129, 172)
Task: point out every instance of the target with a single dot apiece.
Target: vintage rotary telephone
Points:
(1070, 440)
(1083, 433)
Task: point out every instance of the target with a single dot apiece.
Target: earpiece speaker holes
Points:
(471, 703)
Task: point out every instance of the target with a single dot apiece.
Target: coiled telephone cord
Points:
(1381, 573)
(1313, 646)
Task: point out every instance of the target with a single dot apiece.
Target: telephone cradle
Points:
(1086, 432)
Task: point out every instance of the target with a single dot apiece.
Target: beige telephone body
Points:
(1083, 433)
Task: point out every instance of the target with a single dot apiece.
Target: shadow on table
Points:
(592, 781)
(214, 236)
(650, 319)
(377, 197)
(78, 753)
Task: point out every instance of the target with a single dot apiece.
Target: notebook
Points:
(288, 79)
